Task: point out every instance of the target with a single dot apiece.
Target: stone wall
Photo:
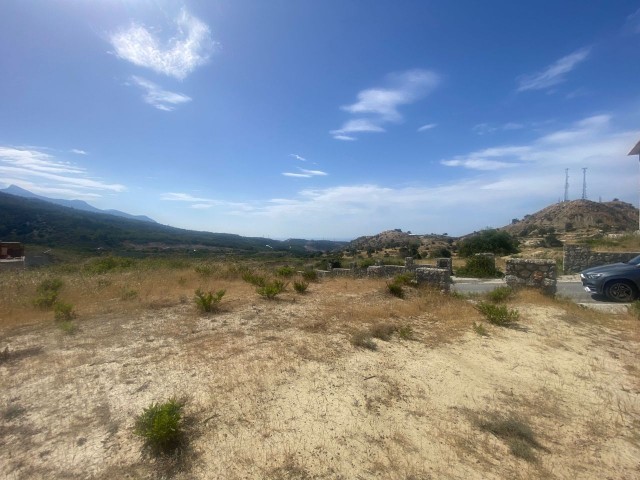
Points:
(438, 277)
(578, 257)
(525, 272)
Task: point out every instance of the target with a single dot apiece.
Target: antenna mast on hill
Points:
(566, 184)
(584, 183)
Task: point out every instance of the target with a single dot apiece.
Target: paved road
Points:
(569, 286)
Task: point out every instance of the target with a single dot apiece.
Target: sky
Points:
(323, 119)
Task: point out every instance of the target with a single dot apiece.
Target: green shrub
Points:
(254, 279)
(160, 425)
(204, 269)
(208, 301)
(488, 241)
(310, 275)
(285, 272)
(63, 312)
(500, 294)
(271, 289)
(479, 266)
(68, 327)
(395, 289)
(441, 252)
(47, 291)
(480, 330)
(498, 314)
(403, 279)
(106, 264)
(300, 287)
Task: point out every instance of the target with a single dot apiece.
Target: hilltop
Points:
(577, 216)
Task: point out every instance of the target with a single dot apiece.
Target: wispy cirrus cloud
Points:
(378, 106)
(176, 57)
(486, 128)
(158, 97)
(40, 172)
(201, 203)
(77, 151)
(304, 173)
(554, 73)
(632, 25)
(428, 126)
(297, 157)
(579, 142)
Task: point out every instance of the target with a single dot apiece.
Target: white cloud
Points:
(306, 173)
(200, 203)
(77, 151)
(345, 138)
(554, 73)
(159, 98)
(357, 125)
(298, 157)
(378, 106)
(177, 57)
(41, 172)
(428, 126)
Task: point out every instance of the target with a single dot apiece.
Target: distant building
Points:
(11, 255)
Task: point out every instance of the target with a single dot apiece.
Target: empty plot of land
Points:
(280, 390)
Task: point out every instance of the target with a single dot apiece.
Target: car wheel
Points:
(621, 291)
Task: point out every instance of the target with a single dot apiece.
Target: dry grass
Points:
(278, 391)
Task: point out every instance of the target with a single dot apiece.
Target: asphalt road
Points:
(568, 286)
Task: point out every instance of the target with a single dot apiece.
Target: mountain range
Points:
(77, 204)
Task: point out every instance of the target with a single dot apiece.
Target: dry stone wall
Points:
(439, 275)
(526, 272)
(578, 257)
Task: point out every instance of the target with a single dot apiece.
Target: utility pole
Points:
(584, 183)
(566, 184)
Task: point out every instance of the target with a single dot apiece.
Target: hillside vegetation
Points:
(37, 222)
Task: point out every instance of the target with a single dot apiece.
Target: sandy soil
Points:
(275, 390)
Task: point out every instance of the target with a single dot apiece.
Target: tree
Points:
(489, 241)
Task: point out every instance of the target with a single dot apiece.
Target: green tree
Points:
(488, 241)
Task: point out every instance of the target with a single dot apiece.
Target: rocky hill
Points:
(582, 216)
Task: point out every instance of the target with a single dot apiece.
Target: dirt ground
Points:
(276, 390)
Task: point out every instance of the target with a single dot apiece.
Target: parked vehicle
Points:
(619, 282)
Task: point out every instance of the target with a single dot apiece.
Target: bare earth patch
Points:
(276, 390)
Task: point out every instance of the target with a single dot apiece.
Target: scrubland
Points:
(343, 381)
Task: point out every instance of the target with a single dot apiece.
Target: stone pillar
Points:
(527, 272)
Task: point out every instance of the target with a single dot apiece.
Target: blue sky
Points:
(320, 119)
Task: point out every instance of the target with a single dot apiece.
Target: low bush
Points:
(498, 314)
(285, 272)
(404, 279)
(160, 426)
(300, 287)
(310, 275)
(500, 294)
(254, 279)
(68, 327)
(48, 291)
(479, 266)
(106, 264)
(204, 269)
(208, 301)
(63, 312)
(405, 332)
(271, 289)
(480, 330)
(395, 289)
(383, 331)
(363, 340)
